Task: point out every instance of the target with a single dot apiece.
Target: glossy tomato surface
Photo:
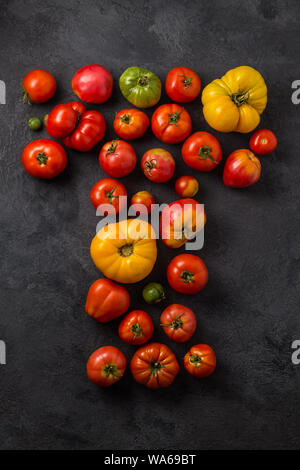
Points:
(106, 366)
(242, 168)
(93, 84)
(131, 123)
(178, 322)
(183, 85)
(106, 300)
(171, 123)
(38, 86)
(117, 158)
(263, 142)
(108, 191)
(158, 165)
(200, 361)
(63, 119)
(186, 186)
(142, 202)
(187, 274)
(44, 158)
(202, 151)
(136, 328)
(89, 131)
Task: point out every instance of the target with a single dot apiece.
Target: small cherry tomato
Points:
(44, 158)
(187, 274)
(263, 141)
(106, 366)
(39, 86)
(158, 165)
(171, 123)
(117, 158)
(178, 322)
(93, 84)
(202, 151)
(142, 202)
(153, 293)
(200, 361)
(136, 328)
(131, 124)
(62, 120)
(186, 186)
(34, 124)
(108, 191)
(183, 85)
(242, 168)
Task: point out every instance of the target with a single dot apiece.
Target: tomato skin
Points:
(88, 132)
(62, 120)
(202, 151)
(106, 366)
(131, 124)
(263, 142)
(154, 365)
(107, 191)
(187, 274)
(242, 168)
(117, 158)
(44, 158)
(136, 328)
(93, 84)
(200, 361)
(186, 186)
(39, 86)
(106, 300)
(171, 123)
(178, 322)
(140, 87)
(158, 165)
(143, 198)
(183, 85)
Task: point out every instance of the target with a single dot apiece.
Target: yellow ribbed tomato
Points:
(125, 251)
(235, 102)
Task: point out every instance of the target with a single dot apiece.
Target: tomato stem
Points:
(111, 370)
(125, 118)
(143, 81)
(110, 195)
(186, 80)
(126, 250)
(137, 330)
(155, 367)
(174, 118)
(239, 98)
(112, 148)
(187, 276)
(26, 99)
(42, 158)
(205, 152)
(176, 323)
(150, 165)
(195, 359)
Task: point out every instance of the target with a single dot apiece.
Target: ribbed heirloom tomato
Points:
(158, 165)
(117, 158)
(44, 158)
(178, 322)
(263, 142)
(38, 86)
(202, 151)
(93, 84)
(187, 274)
(108, 191)
(131, 124)
(136, 328)
(242, 168)
(171, 123)
(140, 87)
(200, 361)
(106, 300)
(142, 202)
(106, 366)
(186, 186)
(183, 85)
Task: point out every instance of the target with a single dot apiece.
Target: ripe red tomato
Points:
(187, 274)
(108, 191)
(263, 142)
(154, 365)
(106, 366)
(89, 131)
(106, 300)
(200, 361)
(202, 151)
(39, 86)
(183, 85)
(62, 120)
(117, 158)
(131, 124)
(186, 186)
(136, 328)
(171, 123)
(142, 201)
(93, 84)
(158, 165)
(44, 158)
(179, 322)
(242, 168)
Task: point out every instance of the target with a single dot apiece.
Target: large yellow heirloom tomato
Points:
(125, 251)
(235, 101)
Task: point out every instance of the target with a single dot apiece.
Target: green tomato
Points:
(140, 87)
(153, 293)
(34, 123)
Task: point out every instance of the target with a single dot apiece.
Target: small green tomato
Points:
(34, 123)
(154, 293)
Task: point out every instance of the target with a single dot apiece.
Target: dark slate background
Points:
(249, 311)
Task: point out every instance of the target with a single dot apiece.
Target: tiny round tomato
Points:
(187, 274)
(106, 366)
(186, 186)
(106, 300)
(183, 85)
(171, 123)
(158, 165)
(153, 293)
(154, 365)
(136, 327)
(179, 322)
(44, 158)
(242, 168)
(39, 86)
(200, 361)
(202, 151)
(117, 158)
(34, 123)
(263, 142)
(61, 121)
(108, 191)
(93, 84)
(131, 124)
(142, 202)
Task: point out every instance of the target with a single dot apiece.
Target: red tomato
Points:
(89, 131)
(187, 274)
(39, 86)
(131, 124)
(158, 165)
(242, 168)
(136, 328)
(62, 120)
(202, 151)
(93, 84)
(179, 322)
(154, 365)
(200, 361)
(44, 158)
(142, 201)
(106, 366)
(106, 300)
(183, 85)
(186, 186)
(263, 142)
(117, 158)
(171, 123)
(108, 191)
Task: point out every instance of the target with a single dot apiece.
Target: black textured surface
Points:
(249, 311)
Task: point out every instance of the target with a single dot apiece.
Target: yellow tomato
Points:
(125, 251)
(236, 101)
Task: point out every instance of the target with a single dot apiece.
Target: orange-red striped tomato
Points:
(186, 186)
(242, 169)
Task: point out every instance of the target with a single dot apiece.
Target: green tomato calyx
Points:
(143, 80)
(195, 359)
(176, 323)
(110, 370)
(42, 158)
(137, 330)
(187, 276)
(110, 195)
(205, 152)
(186, 80)
(112, 148)
(240, 98)
(174, 118)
